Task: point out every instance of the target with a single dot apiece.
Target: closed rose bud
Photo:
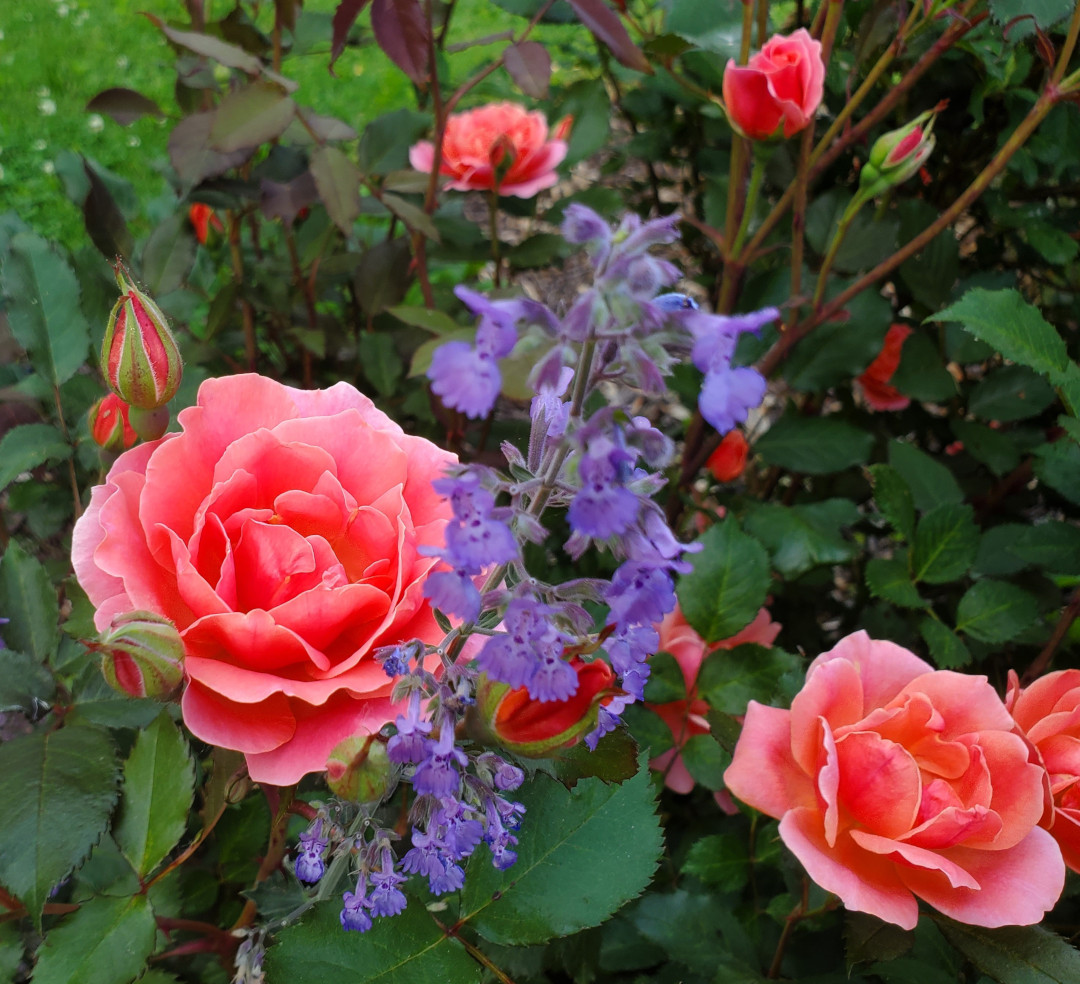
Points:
(729, 459)
(358, 769)
(897, 155)
(203, 219)
(518, 722)
(139, 356)
(143, 656)
(149, 424)
(109, 424)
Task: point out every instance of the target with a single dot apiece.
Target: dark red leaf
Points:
(344, 18)
(403, 33)
(104, 221)
(529, 66)
(599, 18)
(287, 201)
(123, 105)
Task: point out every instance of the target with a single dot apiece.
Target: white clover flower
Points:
(95, 124)
(48, 167)
(47, 107)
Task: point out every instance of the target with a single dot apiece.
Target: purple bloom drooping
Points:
(729, 395)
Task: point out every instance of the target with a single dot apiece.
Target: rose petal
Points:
(246, 726)
(879, 783)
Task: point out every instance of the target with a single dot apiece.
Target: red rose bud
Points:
(729, 459)
(535, 729)
(143, 656)
(359, 769)
(139, 356)
(203, 219)
(897, 155)
(109, 424)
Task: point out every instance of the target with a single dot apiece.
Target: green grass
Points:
(56, 54)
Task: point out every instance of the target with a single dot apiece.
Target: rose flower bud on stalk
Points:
(142, 656)
(109, 424)
(898, 155)
(140, 358)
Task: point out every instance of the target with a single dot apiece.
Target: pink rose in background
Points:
(893, 781)
(280, 532)
(686, 718)
(874, 383)
(780, 86)
(1048, 712)
(480, 143)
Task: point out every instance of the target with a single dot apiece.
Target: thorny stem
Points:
(834, 247)
(797, 914)
(798, 219)
(247, 312)
(1038, 112)
(306, 288)
(76, 497)
(475, 952)
(762, 22)
(275, 848)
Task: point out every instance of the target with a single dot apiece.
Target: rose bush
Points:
(480, 143)
(1048, 712)
(779, 88)
(281, 532)
(892, 781)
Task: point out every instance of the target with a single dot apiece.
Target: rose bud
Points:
(358, 769)
(777, 92)
(535, 729)
(143, 656)
(897, 155)
(729, 459)
(109, 424)
(203, 219)
(149, 424)
(139, 356)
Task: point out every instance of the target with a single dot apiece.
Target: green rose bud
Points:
(139, 356)
(359, 769)
(897, 155)
(143, 656)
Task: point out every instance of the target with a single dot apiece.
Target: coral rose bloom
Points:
(477, 142)
(778, 88)
(1049, 713)
(281, 532)
(893, 781)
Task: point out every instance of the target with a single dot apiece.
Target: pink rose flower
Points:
(1048, 712)
(501, 141)
(780, 86)
(686, 718)
(893, 781)
(280, 531)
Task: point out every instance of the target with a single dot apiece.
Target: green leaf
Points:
(409, 947)
(931, 483)
(337, 180)
(106, 942)
(438, 322)
(28, 598)
(1053, 545)
(615, 759)
(946, 646)
(385, 143)
(996, 450)
(719, 860)
(412, 215)
(890, 580)
(894, 499)
(381, 362)
(995, 556)
(803, 537)
(159, 785)
(922, 374)
(996, 611)
(814, 445)
(26, 446)
(728, 583)
(1058, 465)
(945, 543)
(868, 938)
(705, 760)
(57, 790)
(1010, 393)
(23, 681)
(1045, 12)
(845, 350)
(685, 925)
(730, 679)
(1016, 329)
(1014, 954)
(572, 871)
(666, 681)
(168, 256)
(250, 116)
(42, 299)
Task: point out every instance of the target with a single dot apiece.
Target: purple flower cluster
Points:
(310, 863)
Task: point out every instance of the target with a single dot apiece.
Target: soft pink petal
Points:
(884, 668)
(879, 783)
(864, 881)
(832, 691)
(248, 727)
(908, 855)
(1017, 886)
(966, 703)
(762, 772)
(422, 156)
